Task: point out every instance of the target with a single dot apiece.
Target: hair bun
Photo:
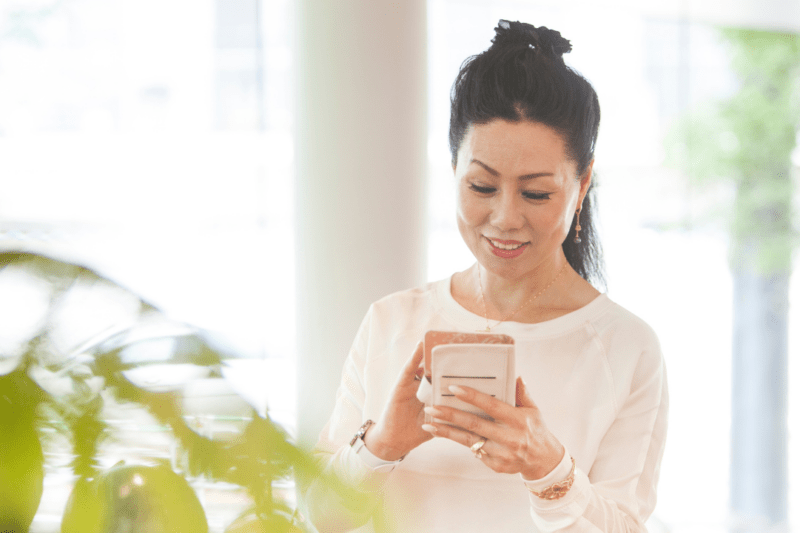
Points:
(544, 39)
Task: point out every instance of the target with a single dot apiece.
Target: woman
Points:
(581, 449)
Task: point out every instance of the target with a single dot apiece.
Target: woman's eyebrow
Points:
(524, 177)
(488, 169)
(535, 175)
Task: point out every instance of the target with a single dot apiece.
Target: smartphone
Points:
(482, 361)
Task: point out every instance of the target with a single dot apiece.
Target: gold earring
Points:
(577, 238)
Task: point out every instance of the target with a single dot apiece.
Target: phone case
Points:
(488, 368)
(435, 338)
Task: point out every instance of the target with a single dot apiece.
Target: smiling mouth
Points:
(508, 246)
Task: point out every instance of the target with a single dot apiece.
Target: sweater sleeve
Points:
(329, 509)
(618, 493)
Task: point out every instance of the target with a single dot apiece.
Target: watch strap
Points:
(371, 460)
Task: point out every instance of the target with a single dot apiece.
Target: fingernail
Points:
(432, 411)
(455, 389)
(429, 428)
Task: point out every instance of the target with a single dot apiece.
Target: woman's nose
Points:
(507, 212)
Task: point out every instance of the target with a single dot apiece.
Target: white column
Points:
(361, 137)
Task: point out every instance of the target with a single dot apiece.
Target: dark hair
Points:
(522, 76)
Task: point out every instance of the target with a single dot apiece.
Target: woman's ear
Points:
(586, 181)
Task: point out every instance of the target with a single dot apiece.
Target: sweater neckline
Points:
(467, 320)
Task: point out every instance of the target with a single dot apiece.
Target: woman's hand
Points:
(398, 431)
(517, 440)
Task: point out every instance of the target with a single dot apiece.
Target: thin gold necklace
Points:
(520, 308)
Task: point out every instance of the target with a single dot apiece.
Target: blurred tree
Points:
(746, 141)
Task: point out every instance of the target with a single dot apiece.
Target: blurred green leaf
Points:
(80, 380)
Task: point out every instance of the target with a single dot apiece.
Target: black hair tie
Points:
(543, 39)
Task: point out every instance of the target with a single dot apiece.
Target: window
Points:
(151, 141)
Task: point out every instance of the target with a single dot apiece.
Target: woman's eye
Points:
(536, 195)
(480, 189)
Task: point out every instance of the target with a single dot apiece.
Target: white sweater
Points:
(596, 374)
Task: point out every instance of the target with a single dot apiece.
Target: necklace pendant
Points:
(488, 328)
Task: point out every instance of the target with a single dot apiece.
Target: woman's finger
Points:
(420, 373)
(412, 365)
(491, 406)
(407, 381)
(523, 399)
(468, 421)
(453, 433)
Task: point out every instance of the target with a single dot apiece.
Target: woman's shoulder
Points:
(401, 317)
(626, 338)
(410, 301)
(421, 292)
(615, 318)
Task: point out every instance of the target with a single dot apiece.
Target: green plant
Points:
(75, 338)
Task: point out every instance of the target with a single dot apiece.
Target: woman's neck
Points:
(504, 299)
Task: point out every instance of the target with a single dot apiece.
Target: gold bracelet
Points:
(557, 490)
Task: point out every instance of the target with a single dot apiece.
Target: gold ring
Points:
(477, 448)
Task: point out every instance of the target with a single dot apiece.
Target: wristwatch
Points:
(375, 463)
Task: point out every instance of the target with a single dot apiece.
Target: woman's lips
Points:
(506, 249)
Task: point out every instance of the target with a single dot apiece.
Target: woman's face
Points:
(517, 195)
